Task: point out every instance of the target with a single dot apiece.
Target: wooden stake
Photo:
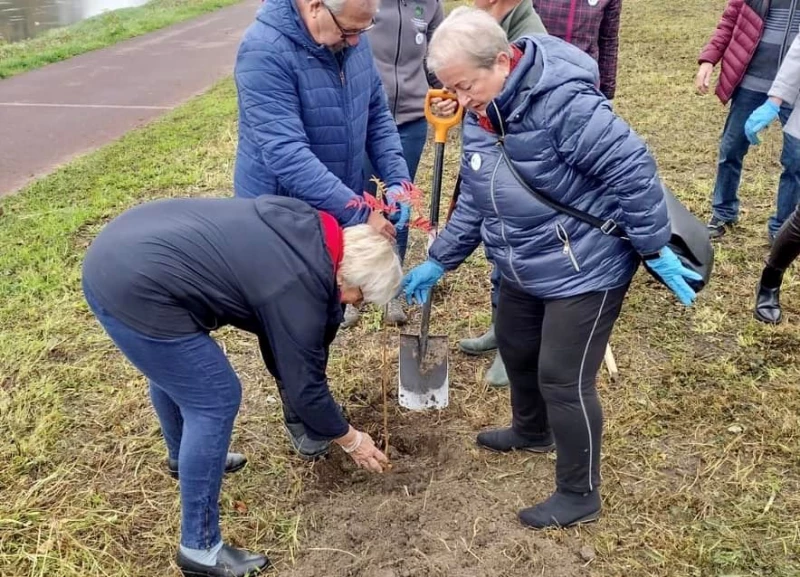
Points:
(611, 363)
(385, 382)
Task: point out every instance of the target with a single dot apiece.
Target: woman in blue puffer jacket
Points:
(563, 281)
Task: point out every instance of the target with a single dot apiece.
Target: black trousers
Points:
(786, 247)
(552, 350)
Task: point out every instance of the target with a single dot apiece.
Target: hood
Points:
(283, 16)
(547, 63)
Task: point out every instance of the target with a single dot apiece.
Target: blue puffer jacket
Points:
(564, 139)
(305, 120)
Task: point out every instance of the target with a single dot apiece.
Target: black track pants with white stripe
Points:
(552, 350)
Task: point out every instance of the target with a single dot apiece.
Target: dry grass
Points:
(702, 451)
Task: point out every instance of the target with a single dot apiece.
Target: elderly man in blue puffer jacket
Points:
(563, 281)
(311, 103)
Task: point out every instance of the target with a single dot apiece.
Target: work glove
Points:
(420, 280)
(400, 217)
(760, 119)
(669, 269)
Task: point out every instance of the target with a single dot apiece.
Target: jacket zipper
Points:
(561, 232)
(397, 59)
(502, 226)
(494, 200)
(346, 108)
(570, 20)
(792, 11)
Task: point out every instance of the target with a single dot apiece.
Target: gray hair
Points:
(370, 263)
(467, 33)
(336, 6)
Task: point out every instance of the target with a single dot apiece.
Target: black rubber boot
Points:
(231, 562)
(505, 440)
(562, 509)
(234, 462)
(305, 447)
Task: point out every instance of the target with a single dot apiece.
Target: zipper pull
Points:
(341, 75)
(567, 250)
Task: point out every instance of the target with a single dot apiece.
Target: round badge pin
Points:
(475, 162)
(593, 2)
(420, 38)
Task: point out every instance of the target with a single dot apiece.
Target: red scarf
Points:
(334, 239)
(516, 56)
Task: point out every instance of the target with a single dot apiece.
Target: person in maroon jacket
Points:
(751, 39)
(592, 26)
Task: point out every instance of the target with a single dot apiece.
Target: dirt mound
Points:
(438, 512)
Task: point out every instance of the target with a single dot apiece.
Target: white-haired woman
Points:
(164, 274)
(537, 121)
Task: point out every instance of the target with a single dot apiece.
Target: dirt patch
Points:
(436, 513)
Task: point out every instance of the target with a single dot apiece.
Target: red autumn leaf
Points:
(240, 507)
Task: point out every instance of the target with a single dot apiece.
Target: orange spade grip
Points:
(441, 124)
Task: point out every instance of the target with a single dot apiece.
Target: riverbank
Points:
(99, 32)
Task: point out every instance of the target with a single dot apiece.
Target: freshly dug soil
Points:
(439, 511)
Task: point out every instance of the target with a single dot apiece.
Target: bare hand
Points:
(703, 79)
(362, 450)
(444, 107)
(377, 221)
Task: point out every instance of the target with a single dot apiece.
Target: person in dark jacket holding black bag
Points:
(163, 275)
(537, 121)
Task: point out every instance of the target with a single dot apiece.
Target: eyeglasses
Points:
(350, 33)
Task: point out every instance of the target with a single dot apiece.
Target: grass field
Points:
(701, 456)
(98, 32)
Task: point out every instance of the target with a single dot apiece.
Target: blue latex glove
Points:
(670, 269)
(400, 217)
(420, 280)
(759, 120)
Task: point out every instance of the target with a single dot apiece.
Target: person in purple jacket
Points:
(163, 275)
(536, 120)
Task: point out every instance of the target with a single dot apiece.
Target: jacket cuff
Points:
(789, 94)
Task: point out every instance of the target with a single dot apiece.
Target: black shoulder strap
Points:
(606, 226)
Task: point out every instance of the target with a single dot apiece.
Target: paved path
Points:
(50, 115)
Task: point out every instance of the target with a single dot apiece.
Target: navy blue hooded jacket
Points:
(306, 120)
(565, 140)
(177, 267)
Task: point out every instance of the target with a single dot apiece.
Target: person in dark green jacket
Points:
(517, 19)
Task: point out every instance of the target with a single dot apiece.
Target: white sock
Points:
(203, 556)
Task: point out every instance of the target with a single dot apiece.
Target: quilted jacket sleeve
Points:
(272, 107)
(722, 35)
(787, 82)
(383, 141)
(461, 235)
(599, 144)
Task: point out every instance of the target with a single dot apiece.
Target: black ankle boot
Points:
(768, 306)
(231, 562)
(563, 509)
(504, 440)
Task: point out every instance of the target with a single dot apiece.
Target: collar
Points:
(334, 239)
(516, 56)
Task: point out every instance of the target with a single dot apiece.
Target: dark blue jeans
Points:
(732, 150)
(412, 137)
(196, 395)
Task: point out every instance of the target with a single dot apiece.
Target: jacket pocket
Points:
(566, 250)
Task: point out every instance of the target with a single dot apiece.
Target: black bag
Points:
(689, 240)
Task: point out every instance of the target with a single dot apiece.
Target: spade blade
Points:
(423, 383)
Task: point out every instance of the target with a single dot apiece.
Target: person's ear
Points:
(503, 63)
(314, 7)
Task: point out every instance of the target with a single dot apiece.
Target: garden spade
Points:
(423, 379)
